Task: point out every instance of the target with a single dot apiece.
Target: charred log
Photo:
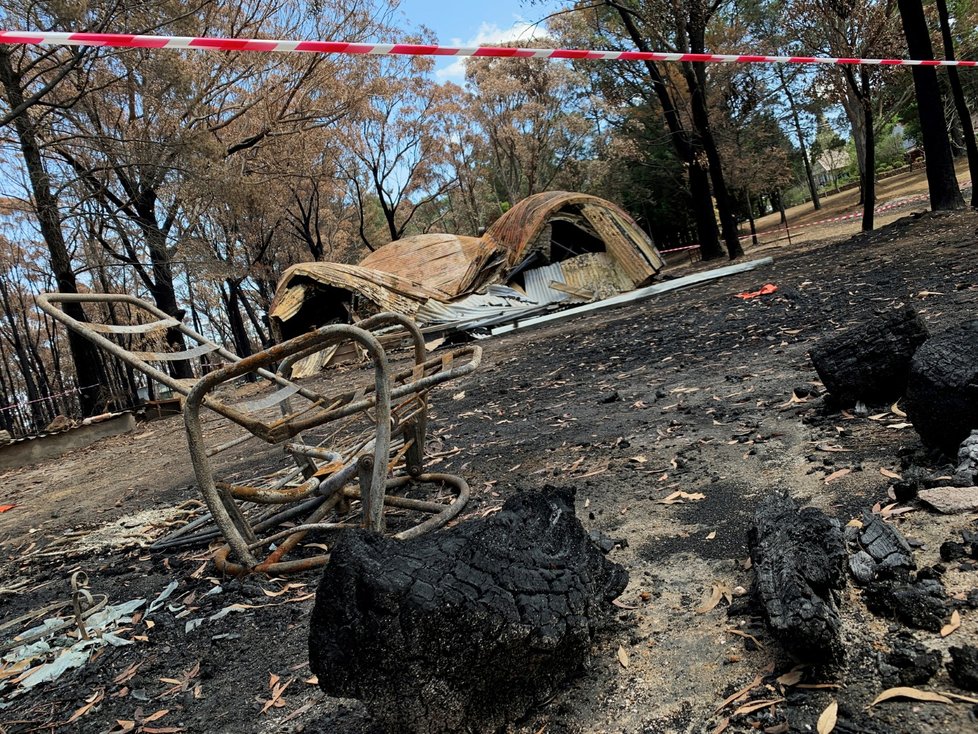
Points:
(942, 391)
(798, 557)
(870, 361)
(465, 629)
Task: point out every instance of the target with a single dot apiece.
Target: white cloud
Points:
(520, 33)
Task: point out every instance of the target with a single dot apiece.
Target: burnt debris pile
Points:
(466, 629)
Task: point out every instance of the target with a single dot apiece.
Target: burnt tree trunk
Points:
(696, 82)
(687, 148)
(942, 182)
(799, 561)
(960, 104)
(942, 391)
(85, 356)
(796, 120)
(869, 180)
(467, 628)
(870, 361)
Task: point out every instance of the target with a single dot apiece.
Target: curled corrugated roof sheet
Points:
(447, 262)
(518, 230)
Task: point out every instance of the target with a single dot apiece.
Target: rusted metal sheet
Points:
(388, 291)
(622, 237)
(445, 262)
(517, 230)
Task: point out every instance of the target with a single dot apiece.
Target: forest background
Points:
(195, 179)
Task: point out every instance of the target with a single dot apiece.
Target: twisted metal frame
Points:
(324, 488)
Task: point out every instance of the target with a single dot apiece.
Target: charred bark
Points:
(798, 558)
(870, 361)
(960, 104)
(85, 356)
(942, 182)
(942, 391)
(688, 147)
(463, 629)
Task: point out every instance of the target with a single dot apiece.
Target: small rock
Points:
(612, 397)
(963, 667)
(802, 391)
(951, 500)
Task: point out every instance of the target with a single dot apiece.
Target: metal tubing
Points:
(198, 398)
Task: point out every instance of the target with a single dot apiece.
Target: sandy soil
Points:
(688, 392)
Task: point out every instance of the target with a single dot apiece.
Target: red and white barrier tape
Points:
(206, 43)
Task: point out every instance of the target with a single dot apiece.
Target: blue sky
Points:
(473, 23)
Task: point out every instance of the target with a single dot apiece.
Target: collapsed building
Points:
(549, 250)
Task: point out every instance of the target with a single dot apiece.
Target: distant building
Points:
(829, 166)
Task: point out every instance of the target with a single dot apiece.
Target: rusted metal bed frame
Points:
(371, 460)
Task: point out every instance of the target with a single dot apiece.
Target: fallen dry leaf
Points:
(791, 678)
(890, 474)
(837, 474)
(895, 409)
(749, 708)
(677, 497)
(278, 689)
(90, 703)
(737, 695)
(832, 448)
(914, 693)
(954, 624)
(746, 636)
(458, 395)
(712, 535)
(722, 726)
(623, 656)
(898, 426)
(126, 675)
(718, 592)
(828, 718)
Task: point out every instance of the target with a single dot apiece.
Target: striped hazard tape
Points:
(209, 43)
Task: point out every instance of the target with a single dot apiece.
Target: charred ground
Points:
(695, 391)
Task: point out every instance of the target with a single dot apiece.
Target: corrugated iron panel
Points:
(519, 227)
(389, 292)
(538, 282)
(497, 299)
(439, 261)
(288, 302)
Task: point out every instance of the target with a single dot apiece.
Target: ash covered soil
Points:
(695, 391)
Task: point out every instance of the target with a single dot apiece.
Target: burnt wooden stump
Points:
(799, 561)
(942, 392)
(463, 629)
(870, 360)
